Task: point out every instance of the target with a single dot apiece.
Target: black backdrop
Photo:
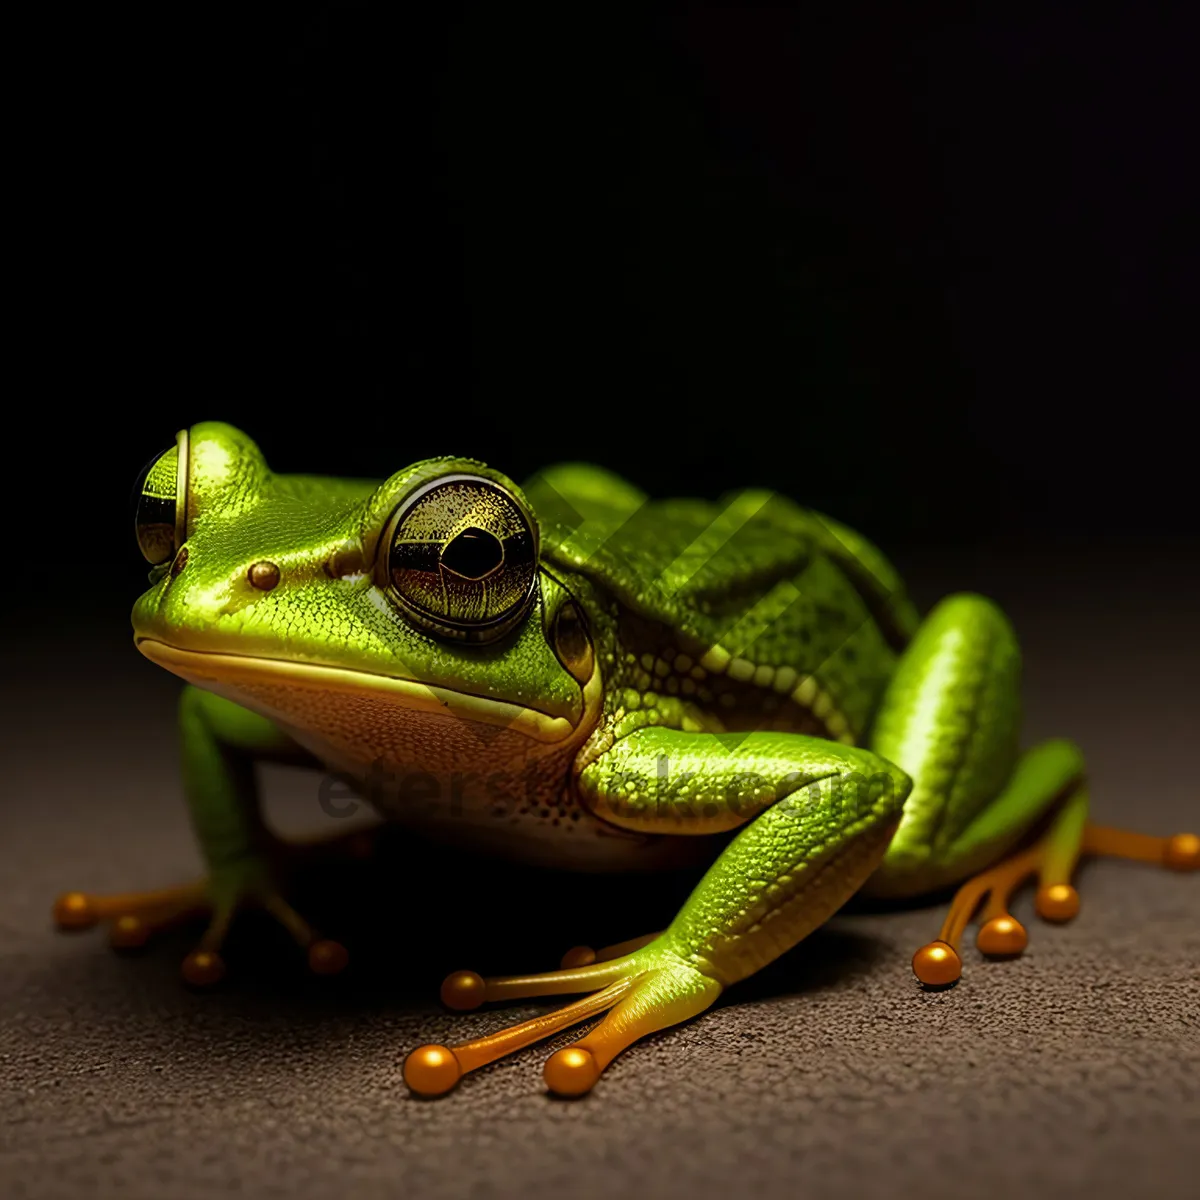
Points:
(931, 277)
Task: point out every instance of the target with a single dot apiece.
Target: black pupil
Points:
(473, 554)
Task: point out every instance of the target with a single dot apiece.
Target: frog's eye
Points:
(462, 558)
(572, 643)
(159, 504)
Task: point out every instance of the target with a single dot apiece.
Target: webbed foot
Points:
(134, 917)
(1053, 860)
(644, 990)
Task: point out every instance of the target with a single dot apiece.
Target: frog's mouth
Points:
(206, 668)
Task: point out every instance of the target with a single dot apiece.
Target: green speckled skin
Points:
(742, 683)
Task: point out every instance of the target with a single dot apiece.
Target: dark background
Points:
(930, 276)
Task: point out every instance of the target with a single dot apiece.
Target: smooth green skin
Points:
(926, 729)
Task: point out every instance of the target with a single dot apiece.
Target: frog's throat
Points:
(203, 668)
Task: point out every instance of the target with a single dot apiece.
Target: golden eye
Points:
(462, 559)
(572, 643)
(159, 504)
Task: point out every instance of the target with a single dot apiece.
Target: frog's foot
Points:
(134, 917)
(641, 992)
(1053, 859)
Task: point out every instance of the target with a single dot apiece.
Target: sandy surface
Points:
(1071, 1071)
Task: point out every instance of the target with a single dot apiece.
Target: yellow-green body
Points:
(625, 683)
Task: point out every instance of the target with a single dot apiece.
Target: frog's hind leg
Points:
(950, 718)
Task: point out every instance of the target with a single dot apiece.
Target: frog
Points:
(582, 677)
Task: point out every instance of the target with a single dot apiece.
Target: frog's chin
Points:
(222, 672)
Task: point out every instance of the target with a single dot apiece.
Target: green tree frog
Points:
(592, 679)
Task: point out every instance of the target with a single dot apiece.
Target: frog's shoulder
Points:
(693, 563)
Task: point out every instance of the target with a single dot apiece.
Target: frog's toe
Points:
(1000, 934)
(327, 957)
(584, 956)
(1180, 852)
(571, 1071)
(324, 956)
(74, 910)
(641, 991)
(1056, 902)
(1002, 937)
(1053, 859)
(937, 964)
(432, 1070)
(661, 997)
(132, 930)
(463, 991)
(133, 918)
(578, 956)
(203, 968)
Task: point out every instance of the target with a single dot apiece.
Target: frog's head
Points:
(406, 621)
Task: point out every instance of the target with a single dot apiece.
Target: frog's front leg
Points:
(820, 817)
(220, 742)
(978, 811)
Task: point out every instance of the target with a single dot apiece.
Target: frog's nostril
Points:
(263, 575)
(179, 562)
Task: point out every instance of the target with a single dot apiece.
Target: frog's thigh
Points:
(787, 870)
(950, 718)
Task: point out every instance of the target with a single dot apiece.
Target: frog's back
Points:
(753, 611)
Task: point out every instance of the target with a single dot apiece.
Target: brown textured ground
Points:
(1073, 1071)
